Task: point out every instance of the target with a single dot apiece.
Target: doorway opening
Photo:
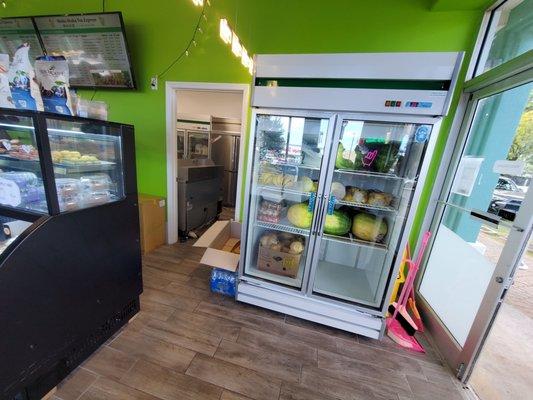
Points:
(206, 130)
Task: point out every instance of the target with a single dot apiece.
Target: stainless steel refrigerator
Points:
(225, 146)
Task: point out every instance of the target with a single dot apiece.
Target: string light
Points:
(229, 37)
(194, 40)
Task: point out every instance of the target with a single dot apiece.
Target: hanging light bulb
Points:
(194, 43)
(225, 31)
(200, 30)
(4, 4)
(187, 53)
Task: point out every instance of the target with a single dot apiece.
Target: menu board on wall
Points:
(94, 45)
(16, 31)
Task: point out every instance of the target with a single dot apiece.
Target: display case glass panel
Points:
(288, 153)
(374, 174)
(87, 161)
(198, 143)
(21, 183)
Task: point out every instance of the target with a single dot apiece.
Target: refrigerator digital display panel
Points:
(94, 45)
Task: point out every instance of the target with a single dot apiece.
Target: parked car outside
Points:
(506, 199)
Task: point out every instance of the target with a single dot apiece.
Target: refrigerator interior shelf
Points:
(366, 206)
(343, 282)
(355, 242)
(281, 190)
(61, 169)
(368, 173)
(302, 166)
(23, 165)
(284, 226)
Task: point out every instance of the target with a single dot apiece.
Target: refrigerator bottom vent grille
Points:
(101, 334)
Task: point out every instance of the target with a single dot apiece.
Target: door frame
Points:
(171, 104)
(462, 359)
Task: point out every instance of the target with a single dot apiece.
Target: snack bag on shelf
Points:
(24, 88)
(53, 76)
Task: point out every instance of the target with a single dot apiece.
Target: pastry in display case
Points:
(70, 264)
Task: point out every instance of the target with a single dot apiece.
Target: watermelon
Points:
(300, 216)
(369, 227)
(337, 223)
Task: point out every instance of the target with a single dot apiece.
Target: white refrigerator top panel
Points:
(413, 102)
(410, 66)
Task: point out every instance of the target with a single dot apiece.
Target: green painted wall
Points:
(160, 29)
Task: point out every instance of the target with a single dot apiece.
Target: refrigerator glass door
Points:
(87, 159)
(286, 164)
(372, 176)
(181, 145)
(198, 143)
(21, 178)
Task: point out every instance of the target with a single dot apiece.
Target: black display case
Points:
(70, 260)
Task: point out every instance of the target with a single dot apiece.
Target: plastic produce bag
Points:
(6, 100)
(53, 76)
(24, 89)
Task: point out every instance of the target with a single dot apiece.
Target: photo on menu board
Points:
(94, 46)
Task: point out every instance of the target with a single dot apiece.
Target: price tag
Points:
(9, 193)
(26, 148)
(331, 205)
(312, 199)
(6, 144)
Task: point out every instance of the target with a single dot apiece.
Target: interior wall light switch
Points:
(153, 83)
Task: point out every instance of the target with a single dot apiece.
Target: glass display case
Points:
(86, 160)
(21, 177)
(70, 258)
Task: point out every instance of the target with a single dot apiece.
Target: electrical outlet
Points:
(153, 83)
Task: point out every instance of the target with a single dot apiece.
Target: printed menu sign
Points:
(93, 44)
(16, 31)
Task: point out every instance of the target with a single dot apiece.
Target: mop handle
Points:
(404, 294)
(423, 246)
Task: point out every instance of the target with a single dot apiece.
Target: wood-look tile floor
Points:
(187, 343)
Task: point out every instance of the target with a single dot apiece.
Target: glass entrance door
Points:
(372, 175)
(481, 225)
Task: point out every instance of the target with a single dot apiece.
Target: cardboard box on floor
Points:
(219, 240)
(152, 221)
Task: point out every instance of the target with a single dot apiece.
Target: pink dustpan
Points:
(394, 328)
(396, 332)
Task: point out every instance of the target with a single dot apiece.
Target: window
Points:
(509, 34)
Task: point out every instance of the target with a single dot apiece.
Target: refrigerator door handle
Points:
(319, 209)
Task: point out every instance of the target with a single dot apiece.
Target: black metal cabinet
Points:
(70, 263)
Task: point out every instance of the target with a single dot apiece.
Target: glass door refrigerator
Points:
(332, 194)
